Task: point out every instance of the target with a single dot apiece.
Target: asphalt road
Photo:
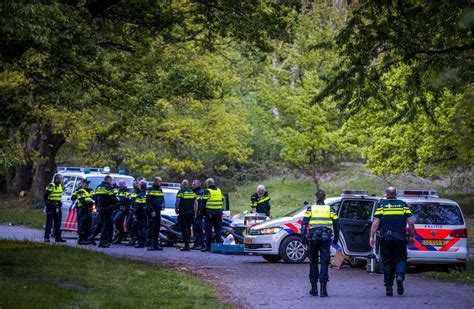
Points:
(251, 282)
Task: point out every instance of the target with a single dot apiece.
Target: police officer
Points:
(214, 203)
(132, 229)
(155, 203)
(84, 206)
(123, 205)
(391, 218)
(322, 221)
(260, 201)
(105, 200)
(198, 216)
(139, 209)
(186, 207)
(52, 198)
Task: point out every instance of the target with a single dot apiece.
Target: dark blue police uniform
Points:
(393, 214)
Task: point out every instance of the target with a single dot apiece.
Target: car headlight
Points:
(267, 231)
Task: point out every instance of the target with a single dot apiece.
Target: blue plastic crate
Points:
(232, 248)
(215, 247)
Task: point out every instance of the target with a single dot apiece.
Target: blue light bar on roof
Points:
(121, 172)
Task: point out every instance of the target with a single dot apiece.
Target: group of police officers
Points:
(141, 211)
(198, 209)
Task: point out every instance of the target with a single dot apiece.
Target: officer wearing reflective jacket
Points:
(52, 198)
(155, 203)
(132, 229)
(139, 210)
(322, 221)
(84, 206)
(105, 200)
(214, 203)
(123, 204)
(391, 218)
(186, 207)
(260, 201)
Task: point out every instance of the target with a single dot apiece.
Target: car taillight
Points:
(462, 233)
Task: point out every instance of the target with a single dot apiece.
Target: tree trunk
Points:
(19, 178)
(47, 144)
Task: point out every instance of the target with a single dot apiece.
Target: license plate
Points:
(434, 243)
(248, 241)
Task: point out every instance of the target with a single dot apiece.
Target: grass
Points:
(21, 211)
(57, 276)
(452, 275)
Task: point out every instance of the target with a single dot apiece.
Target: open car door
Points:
(355, 216)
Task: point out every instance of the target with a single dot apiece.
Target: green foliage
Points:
(61, 276)
(309, 135)
(429, 143)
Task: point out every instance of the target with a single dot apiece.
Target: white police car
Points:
(441, 231)
(280, 238)
(72, 177)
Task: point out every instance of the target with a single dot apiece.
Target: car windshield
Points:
(296, 211)
(442, 214)
(170, 199)
(97, 180)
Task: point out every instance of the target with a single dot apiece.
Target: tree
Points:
(309, 135)
(405, 80)
(433, 38)
(69, 58)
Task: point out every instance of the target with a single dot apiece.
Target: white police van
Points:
(72, 177)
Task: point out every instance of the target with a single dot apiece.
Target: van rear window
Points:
(441, 214)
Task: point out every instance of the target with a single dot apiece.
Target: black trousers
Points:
(132, 230)
(394, 258)
(104, 224)
(119, 219)
(198, 231)
(154, 227)
(319, 257)
(213, 219)
(141, 229)
(84, 223)
(53, 218)
(185, 222)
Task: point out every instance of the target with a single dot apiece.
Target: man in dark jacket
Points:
(260, 201)
(186, 207)
(105, 200)
(123, 196)
(139, 209)
(198, 216)
(155, 203)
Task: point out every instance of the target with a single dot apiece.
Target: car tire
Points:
(271, 258)
(292, 250)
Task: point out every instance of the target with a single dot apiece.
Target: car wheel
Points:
(292, 250)
(271, 258)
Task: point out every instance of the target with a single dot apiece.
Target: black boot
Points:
(323, 292)
(314, 289)
(389, 290)
(117, 241)
(400, 289)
